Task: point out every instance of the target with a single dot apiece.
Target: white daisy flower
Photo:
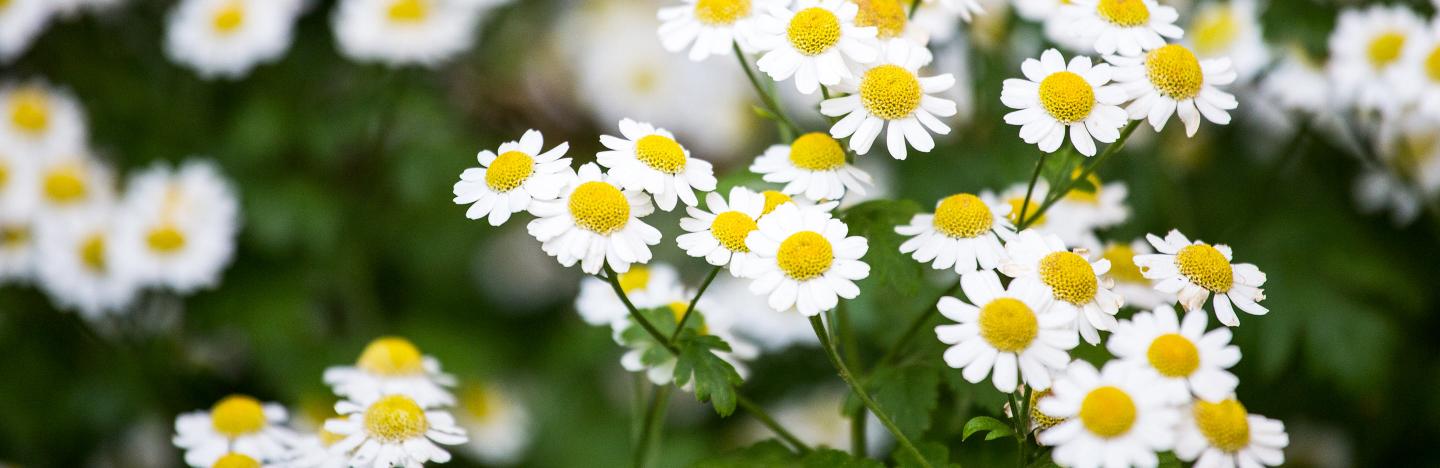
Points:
(313, 450)
(1298, 84)
(648, 158)
(1008, 330)
(393, 430)
(753, 320)
(1127, 27)
(1365, 49)
(1113, 417)
(1188, 359)
(805, 261)
(20, 22)
(1078, 214)
(1054, 23)
(178, 229)
(1055, 99)
(497, 421)
(1171, 80)
(236, 424)
(17, 251)
(597, 302)
(816, 42)
(19, 178)
(1225, 434)
(595, 223)
(227, 38)
(718, 235)
(77, 265)
(964, 233)
(889, 18)
(813, 165)
(1230, 29)
(892, 96)
(1410, 144)
(405, 32)
(391, 365)
(73, 182)
(1072, 220)
(40, 120)
(712, 319)
(1418, 76)
(1139, 292)
(506, 183)
(711, 27)
(1069, 277)
(1193, 270)
(965, 9)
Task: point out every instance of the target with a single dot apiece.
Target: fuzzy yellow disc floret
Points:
(1385, 49)
(890, 92)
(813, 31)
(1107, 412)
(963, 216)
(1174, 71)
(661, 153)
(1067, 97)
(1126, 13)
(730, 229)
(1225, 424)
(720, 12)
(1205, 266)
(165, 239)
(1070, 277)
(887, 16)
(395, 418)
(408, 11)
(30, 110)
(509, 170)
(599, 207)
(237, 415)
(816, 151)
(1173, 355)
(1008, 325)
(229, 17)
(805, 255)
(391, 356)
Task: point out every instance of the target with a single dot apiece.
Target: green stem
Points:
(1056, 195)
(691, 308)
(852, 354)
(859, 390)
(914, 7)
(915, 326)
(651, 429)
(770, 422)
(1030, 191)
(787, 128)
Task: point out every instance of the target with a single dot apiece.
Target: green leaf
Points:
(715, 379)
(909, 395)
(772, 454)
(935, 453)
(1168, 460)
(995, 428)
(875, 220)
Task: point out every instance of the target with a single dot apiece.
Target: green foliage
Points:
(715, 379)
(993, 428)
(908, 394)
(936, 455)
(875, 220)
(772, 454)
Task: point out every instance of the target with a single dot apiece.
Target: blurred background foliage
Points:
(345, 171)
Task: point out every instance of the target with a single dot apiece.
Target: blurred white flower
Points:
(965, 9)
(40, 120)
(1297, 84)
(73, 182)
(177, 228)
(405, 32)
(1365, 49)
(755, 321)
(1126, 27)
(1139, 292)
(20, 22)
(815, 417)
(1418, 74)
(713, 319)
(597, 302)
(497, 421)
(1230, 29)
(392, 365)
(19, 176)
(236, 424)
(77, 265)
(227, 38)
(17, 251)
(712, 26)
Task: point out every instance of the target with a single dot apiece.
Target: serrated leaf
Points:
(715, 379)
(875, 220)
(936, 455)
(772, 454)
(994, 428)
(909, 395)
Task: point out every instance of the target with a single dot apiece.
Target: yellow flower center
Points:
(1122, 264)
(636, 279)
(408, 11)
(236, 460)
(805, 255)
(478, 401)
(1432, 65)
(1205, 266)
(1173, 355)
(1127, 13)
(237, 415)
(890, 92)
(963, 216)
(718, 12)
(1107, 411)
(1019, 202)
(887, 16)
(599, 207)
(816, 151)
(165, 239)
(1042, 421)
(1066, 96)
(661, 153)
(1225, 424)
(509, 170)
(92, 253)
(30, 110)
(395, 418)
(1174, 71)
(1085, 196)
(1069, 276)
(677, 309)
(391, 356)
(1215, 29)
(813, 30)
(1008, 324)
(731, 228)
(65, 184)
(14, 236)
(229, 17)
(4, 175)
(1385, 49)
(773, 199)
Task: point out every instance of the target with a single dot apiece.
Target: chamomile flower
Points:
(77, 265)
(710, 318)
(648, 158)
(1007, 330)
(20, 22)
(595, 223)
(1054, 23)
(1127, 27)
(964, 233)
(813, 165)
(1365, 49)
(1297, 84)
(816, 42)
(1113, 417)
(393, 365)
(1072, 280)
(40, 120)
(1132, 285)
(888, 17)
(1171, 80)
(891, 96)
(393, 430)
(753, 320)
(1225, 434)
(805, 261)
(1194, 270)
(18, 179)
(597, 302)
(405, 32)
(17, 251)
(236, 424)
(507, 182)
(718, 235)
(1419, 76)
(710, 27)
(1189, 360)
(73, 182)
(227, 38)
(1083, 210)
(1230, 29)
(497, 422)
(1055, 99)
(178, 229)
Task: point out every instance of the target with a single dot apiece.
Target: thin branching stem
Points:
(819, 326)
(1056, 195)
(788, 129)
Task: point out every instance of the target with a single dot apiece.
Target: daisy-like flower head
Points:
(805, 261)
(752, 319)
(18, 178)
(1366, 47)
(1298, 84)
(179, 227)
(648, 158)
(497, 422)
(393, 430)
(1113, 417)
(1230, 29)
(1188, 359)
(77, 264)
(405, 32)
(1132, 285)
(892, 96)
(226, 38)
(1008, 330)
(40, 121)
(17, 251)
(1223, 433)
(73, 182)
(718, 235)
(1194, 270)
(1056, 98)
(710, 318)
(1171, 80)
(596, 223)
(813, 165)
(711, 27)
(1077, 215)
(392, 365)
(236, 424)
(1419, 76)
(20, 22)
(507, 182)
(816, 42)
(1127, 27)
(597, 302)
(963, 233)
(1071, 279)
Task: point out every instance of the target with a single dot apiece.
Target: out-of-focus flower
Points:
(1069, 277)
(815, 418)
(177, 228)
(1080, 212)
(510, 269)
(1297, 84)
(1075, 229)
(1113, 417)
(1055, 99)
(1230, 29)
(1126, 27)
(813, 165)
(393, 430)
(77, 265)
(711, 27)
(1169, 81)
(40, 120)
(497, 422)
(1225, 434)
(1009, 330)
(753, 320)
(1138, 291)
(20, 22)
(75, 7)
(236, 424)
(1365, 49)
(816, 42)
(891, 96)
(73, 182)
(1418, 73)
(645, 157)
(806, 260)
(405, 32)
(964, 233)
(17, 251)
(965, 9)
(595, 223)
(506, 183)
(393, 366)
(1194, 270)
(599, 305)
(227, 38)
(718, 235)
(1190, 360)
(19, 193)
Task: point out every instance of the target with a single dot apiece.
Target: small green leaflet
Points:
(995, 427)
(715, 379)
